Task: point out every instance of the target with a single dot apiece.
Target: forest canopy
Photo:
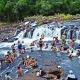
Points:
(13, 10)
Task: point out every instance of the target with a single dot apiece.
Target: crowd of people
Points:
(30, 62)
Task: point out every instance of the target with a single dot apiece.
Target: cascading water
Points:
(47, 30)
(68, 35)
(42, 31)
(21, 34)
(78, 35)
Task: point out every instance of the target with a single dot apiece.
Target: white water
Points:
(21, 34)
(38, 32)
(42, 31)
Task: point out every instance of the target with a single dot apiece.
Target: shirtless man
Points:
(40, 43)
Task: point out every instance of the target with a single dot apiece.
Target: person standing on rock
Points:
(19, 47)
(20, 72)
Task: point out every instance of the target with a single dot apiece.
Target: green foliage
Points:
(16, 10)
(66, 17)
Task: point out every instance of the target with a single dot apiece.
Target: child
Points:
(46, 46)
(20, 72)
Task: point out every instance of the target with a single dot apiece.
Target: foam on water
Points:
(45, 30)
(20, 35)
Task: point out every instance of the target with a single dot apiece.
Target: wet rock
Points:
(51, 69)
(30, 76)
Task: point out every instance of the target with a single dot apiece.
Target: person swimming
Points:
(32, 44)
(53, 48)
(46, 46)
(61, 48)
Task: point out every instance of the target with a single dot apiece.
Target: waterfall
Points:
(68, 35)
(20, 35)
(46, 32)
(79, 35)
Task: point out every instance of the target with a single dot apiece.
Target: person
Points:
(61, 48)
(20, 72)
(20, 47)
(40, 43)
(70, 75)
(7, 77)
(14, 55)
(70, 53)
(32, 44)
(46, 46)
(31, 49)
(1, 78)
(63, 41)
(13, 46)
(58, 77)
(9, 57)
(23, 59)
(78, 53)
(71, 43)
(23, 50)
(74, 38)
(41, 70)
(53, 42)
(42, 36)
(54, 48)
(56, 40)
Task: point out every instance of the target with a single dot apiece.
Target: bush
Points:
(66, 17)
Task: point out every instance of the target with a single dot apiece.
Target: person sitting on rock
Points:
(58, 77)
(7, 76)
(34, 63)
(23, 60)
(70, 54)
(70, 75)
(9, 57)
(14, 54)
